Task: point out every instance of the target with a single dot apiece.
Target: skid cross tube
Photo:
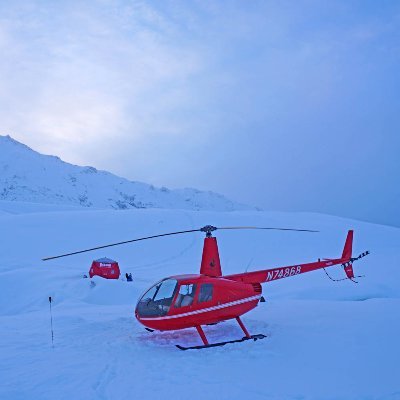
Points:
(202, 335)
(243, 327)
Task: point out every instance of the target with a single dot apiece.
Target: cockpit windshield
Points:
(157, 300)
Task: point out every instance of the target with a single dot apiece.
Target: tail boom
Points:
(268, 275)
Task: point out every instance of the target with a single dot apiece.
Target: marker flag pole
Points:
(51, 323)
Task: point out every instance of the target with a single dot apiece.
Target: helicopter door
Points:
(186, 295)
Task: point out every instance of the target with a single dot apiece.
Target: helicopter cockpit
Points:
(157, 300)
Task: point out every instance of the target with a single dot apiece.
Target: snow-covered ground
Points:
(326, 340)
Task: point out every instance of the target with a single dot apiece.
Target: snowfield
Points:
(326, 340)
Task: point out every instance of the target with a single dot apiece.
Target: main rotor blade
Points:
(117, 244)
(207, 229)
(275, 229)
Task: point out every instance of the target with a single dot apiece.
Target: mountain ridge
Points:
(27, 175)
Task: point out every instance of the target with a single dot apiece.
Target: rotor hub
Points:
(208, 229)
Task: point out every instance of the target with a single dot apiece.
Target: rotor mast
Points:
(210, 262)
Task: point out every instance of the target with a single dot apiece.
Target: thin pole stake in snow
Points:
(51, 323)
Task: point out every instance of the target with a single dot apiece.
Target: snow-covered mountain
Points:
(26, 175)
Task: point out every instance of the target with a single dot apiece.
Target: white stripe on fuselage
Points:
(203, 310)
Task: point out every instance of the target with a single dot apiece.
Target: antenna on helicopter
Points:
(207, 229)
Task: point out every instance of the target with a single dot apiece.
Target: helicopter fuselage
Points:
(192, 300)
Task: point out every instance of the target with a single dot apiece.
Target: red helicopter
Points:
(187, 301)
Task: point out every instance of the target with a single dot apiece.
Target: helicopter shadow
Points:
(223, 331)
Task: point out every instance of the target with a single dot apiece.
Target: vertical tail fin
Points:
(348, 246)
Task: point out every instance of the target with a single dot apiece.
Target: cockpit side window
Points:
(186, 295)
(206, 292)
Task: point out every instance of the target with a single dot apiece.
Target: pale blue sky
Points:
(287, 105)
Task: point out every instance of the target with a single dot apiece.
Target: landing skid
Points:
(205, 346)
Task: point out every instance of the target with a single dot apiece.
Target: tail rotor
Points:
(348, 260)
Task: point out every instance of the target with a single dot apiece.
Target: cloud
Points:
(258, 100)
(95, 72)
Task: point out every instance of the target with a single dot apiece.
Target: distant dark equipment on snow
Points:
(106, 268)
